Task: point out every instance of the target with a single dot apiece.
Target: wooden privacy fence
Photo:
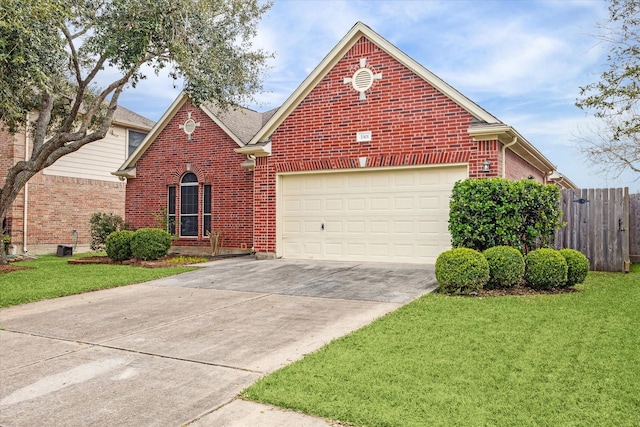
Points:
(599, 224)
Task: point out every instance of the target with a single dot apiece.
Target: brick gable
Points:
(209, 154)
(411, 124)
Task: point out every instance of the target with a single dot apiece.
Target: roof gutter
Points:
(505, 134)
(257, 150)
(125, 173)
(504, 155)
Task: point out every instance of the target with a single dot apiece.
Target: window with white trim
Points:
(134, 138)
(189, 205)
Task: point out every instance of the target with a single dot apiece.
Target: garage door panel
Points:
(404, 180)
(356, 204)
(356, 227)
(312, 227)
(379, 250)
(431, 203)
(379, 204)
(403, 204)
(334, 249)
(381, 181)
(291, 226)
(355, 250)
(404, 227)
(313, 205)
(379, 227)
(396, 215)
(313, 249)
(333, 227)
(336, 205)
(429, 228)
(294, 206)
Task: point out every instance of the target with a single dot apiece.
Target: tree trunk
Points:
(3, 255)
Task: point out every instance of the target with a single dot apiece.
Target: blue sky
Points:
(523, 61)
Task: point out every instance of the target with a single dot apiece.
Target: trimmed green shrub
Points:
(545, 269)
(150, 243)
(578, 266)
(102, 225)
(461, 271)
(497, 212)
(506, 266)
(118, 245)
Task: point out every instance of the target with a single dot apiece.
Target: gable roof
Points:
(124, 116)
(252, 130)
(241, 124)
(485, 126)
(358, 31)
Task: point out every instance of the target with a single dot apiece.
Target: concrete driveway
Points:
(177, 351)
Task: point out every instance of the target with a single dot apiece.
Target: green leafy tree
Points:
(615, 144)
(53, 53)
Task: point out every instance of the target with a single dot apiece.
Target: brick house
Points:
(357, 164)
(62, 197)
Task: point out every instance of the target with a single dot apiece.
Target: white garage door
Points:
(398, 215)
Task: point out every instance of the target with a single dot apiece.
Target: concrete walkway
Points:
(177, 351)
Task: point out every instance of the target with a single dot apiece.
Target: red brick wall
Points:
(518, 168)
(411, 124)
(55, 205)
(210, 156)
(12, 150)
(58, 205)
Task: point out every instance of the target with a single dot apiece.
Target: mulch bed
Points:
(9, 268)
(163, 262)
(524, 291)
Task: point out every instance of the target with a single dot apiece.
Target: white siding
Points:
(95, 160)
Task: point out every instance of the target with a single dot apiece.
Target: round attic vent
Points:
(189, 126)
(362, 79)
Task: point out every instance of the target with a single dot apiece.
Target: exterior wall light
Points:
(486, 166)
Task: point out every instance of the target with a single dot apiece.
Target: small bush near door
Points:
(150, 244)
(545, 269)
(506, 267)
(118, 245)
(578, 266)
(461, 271)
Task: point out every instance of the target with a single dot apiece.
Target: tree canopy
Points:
(614, 99)
(64, 64)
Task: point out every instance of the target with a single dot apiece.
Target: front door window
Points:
(189, 206)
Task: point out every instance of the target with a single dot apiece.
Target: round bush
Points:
(461, 271)
(506, 266)
(118, 245)
(545, 269)
(578, 266)
(150, 243)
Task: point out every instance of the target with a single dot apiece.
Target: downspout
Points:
(26, 191)
(504, 155)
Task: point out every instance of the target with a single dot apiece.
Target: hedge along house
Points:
(357, 164)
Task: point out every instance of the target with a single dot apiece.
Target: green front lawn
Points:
(51, 277)
(547, 360)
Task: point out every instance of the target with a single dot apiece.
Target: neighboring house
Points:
(56, 204)
(358, 164)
